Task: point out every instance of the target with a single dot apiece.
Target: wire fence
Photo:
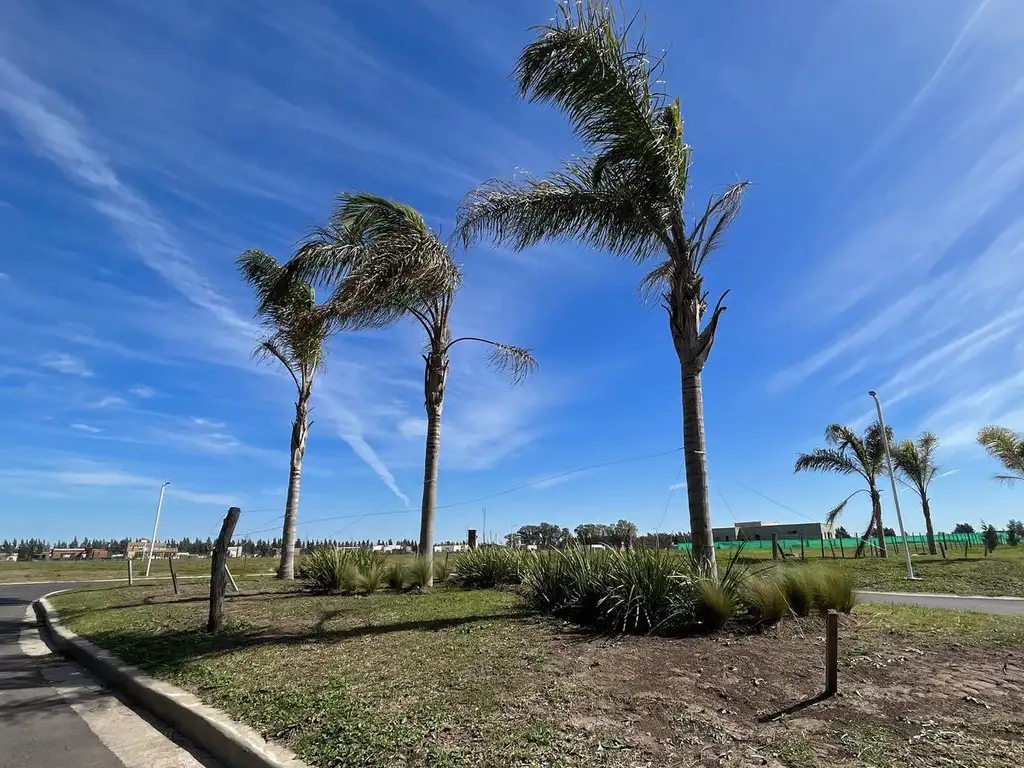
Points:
(839, 547)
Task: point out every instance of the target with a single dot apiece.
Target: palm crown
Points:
(1006, 446)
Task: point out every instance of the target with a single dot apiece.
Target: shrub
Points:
(990, 537)
(419, 573)
(395, 575)
(644, 591)
(766, 602)
(331, 569)
(486, 568)
(367, 558)
(833, 589)
(713, 604)
(546, 583)
(371, 577)
(442, 569)
(799, 591)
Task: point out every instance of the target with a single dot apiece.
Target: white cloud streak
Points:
(69, 364)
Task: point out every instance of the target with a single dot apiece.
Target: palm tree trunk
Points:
(696, 462)
(436, 375)
(876, 513)
(927, 511)
(300, 431)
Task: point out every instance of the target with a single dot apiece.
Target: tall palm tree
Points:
(627, 196)
(297, 332)
(385, 263)
(916, 462)
(847, 453)
(1006, 446)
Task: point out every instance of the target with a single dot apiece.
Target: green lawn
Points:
(84, 570)
(463, 678)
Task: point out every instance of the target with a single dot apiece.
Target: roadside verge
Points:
(233, 744)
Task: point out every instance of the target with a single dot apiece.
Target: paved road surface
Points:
(53, 714)
(1006, 606)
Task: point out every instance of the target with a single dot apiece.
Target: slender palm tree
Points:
(1006, 446)
(627, 196)
(385, 263)
(916, 462)
(847, 453)
(297, 333)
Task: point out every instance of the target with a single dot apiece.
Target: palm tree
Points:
(1007, 446)
(385, 263)
(297, 332)
(916, 462)
(847, 453)
(626, 196)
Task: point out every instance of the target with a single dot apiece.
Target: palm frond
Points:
(656, 284)
(827, 460)
(706, 236)
(517, 362)
(836, 511)
(1006, 446)
(568, 205)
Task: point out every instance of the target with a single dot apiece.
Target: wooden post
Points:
(801, 546)
(967, 541)
(822, 542)
(219, 570)
(842, 549)
(832, 546)
(472, 538)
(174, 575)
(775, 546)
(131, 575)
(231, 578)
(831, 653)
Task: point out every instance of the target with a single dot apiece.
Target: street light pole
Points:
(892, 479)
(156, 522)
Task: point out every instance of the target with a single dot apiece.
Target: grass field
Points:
(84, 570)
(458, 678)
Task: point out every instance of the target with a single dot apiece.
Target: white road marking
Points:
(133, 740)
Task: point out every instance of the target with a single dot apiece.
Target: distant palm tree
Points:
(847, 453)
(297, 332)
(916, 462)
(1007, 446)
(386, 263)
(627, 196)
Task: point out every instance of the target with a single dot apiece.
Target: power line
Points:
(776, 503)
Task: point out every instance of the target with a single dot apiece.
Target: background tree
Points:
(297, 332)
(916, 462)
(847, 453)
(842, 533)
(989, 536)
(1014, 532)
(1007, 447)
(385, 264)
(627, 196)
(963, 528)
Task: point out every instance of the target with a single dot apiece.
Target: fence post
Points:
(131, 575)
(219, 570)
(472, 538)
(775, 546)
(822, 542)
(831, 653)
(801, 546)
(842, 549)
(967, 541)
(174, 576)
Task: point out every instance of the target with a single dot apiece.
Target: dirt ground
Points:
(746, 701)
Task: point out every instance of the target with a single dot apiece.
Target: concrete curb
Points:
(233, 744)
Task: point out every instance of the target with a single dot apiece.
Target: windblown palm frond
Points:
(1007, 447)
(517, 362)
(567, 205)
(827, 460)
(379, 258)
(836, 511)
(706, 236)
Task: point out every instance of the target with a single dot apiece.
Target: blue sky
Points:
(144, 145)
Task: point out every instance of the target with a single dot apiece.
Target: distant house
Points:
(235, 551)
(450, 547)
(65, 553)
(757, 530)
(11, 558)
(388, 548)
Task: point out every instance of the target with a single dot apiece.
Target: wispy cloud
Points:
(64, 363)
(110, 401)
(143, 391)
(203, 422)
(86, 428)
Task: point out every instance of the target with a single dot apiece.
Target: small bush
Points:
(442, 569)
(645, 592)
(371, 577)
(395, 575)
(419, 573)
(798, 589)
(486, 568)
(766, 602)
(833, 589)
(714, 604)
(366, 558)
(546, 584)
(331, 569)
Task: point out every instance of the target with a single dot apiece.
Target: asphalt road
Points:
(1005, 606)
(53, 714)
